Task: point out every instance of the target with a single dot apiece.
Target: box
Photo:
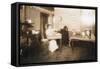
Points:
(43, 34)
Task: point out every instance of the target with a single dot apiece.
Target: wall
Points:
(31, 14)
(74, 19)
(67, 17)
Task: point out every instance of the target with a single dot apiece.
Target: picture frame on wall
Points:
(43, 34)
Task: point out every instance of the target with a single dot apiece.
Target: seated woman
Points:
(52, 43)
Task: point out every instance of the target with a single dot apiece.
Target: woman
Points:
(65, 36)
(52, 43)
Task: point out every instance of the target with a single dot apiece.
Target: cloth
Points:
(52, 45)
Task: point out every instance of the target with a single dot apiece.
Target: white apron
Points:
(52, 45)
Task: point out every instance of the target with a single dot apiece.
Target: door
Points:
(43, 24)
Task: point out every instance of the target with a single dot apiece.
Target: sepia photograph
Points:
(57, 34)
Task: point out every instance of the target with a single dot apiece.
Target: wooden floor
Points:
(65, 53)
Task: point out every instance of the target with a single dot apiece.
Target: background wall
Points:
(69, 17)
(35, 18)
(5, 36)
(75, 19)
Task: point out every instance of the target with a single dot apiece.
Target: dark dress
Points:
(65, 37)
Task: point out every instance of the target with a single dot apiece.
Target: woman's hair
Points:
(65, 27)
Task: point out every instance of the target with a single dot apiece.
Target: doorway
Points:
(43, 24)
